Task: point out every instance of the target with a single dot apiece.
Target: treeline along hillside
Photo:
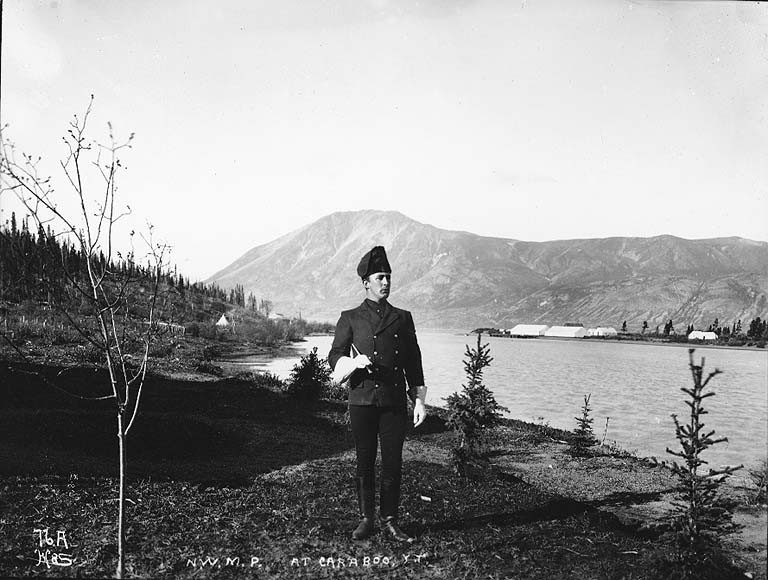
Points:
(43, 281)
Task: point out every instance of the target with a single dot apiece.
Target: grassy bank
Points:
(228, 468)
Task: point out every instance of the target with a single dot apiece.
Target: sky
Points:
(532, 120)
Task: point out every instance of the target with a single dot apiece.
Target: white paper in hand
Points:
(345, 366)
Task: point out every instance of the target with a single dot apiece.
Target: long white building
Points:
(528, 330)
(566, 332)
(702, 335)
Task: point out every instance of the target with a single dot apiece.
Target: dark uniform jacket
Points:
(387, 335)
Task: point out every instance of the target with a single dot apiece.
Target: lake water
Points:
(636, 386)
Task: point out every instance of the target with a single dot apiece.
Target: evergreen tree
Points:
(473, 412)
(310, 377)
(584, 437)
(699, 516)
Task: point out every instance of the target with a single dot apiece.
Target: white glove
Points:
(419, 411)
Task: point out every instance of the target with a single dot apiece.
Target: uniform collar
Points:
(382, 314)
(381, 308)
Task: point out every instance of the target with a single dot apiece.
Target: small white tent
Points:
(222, 321)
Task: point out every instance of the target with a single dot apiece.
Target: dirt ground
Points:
(230, 479)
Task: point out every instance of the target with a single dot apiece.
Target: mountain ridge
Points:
(459, 279)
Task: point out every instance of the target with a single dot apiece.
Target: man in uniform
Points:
(379, 342)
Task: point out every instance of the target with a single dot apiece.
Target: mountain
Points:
(453, 279)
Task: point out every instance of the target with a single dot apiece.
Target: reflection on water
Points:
(637, 386)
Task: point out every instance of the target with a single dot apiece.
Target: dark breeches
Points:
(388, 425)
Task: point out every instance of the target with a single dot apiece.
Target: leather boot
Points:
(366, 499)
(390, 500)
(389, 523)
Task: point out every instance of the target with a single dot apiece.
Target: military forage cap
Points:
(373, 261)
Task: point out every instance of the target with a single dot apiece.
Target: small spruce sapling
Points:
(310, 377)
(698, 515)
(584, 437)
(473, 412)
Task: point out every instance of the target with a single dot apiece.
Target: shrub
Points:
(474, 412)
(65, 336)
(700, 515)
(267, 331)
(207, 331)
(271, 381)
(265, 380)
(759, 477)
(335, 391)
(193, 329)
(246, 376)
(309, 377)
(209, 368)
(210, 352)
(89, 354)
(162, 348)
(584, 437)
(23, 333)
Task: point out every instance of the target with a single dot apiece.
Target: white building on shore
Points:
(702, 335)
(528, 330)
(602, 331)
(566, 332)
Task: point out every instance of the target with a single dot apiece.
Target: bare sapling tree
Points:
(121, 296)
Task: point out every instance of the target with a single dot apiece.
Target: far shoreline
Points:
(600, 339)
(695, 345)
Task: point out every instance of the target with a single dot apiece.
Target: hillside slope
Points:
(455, 279)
